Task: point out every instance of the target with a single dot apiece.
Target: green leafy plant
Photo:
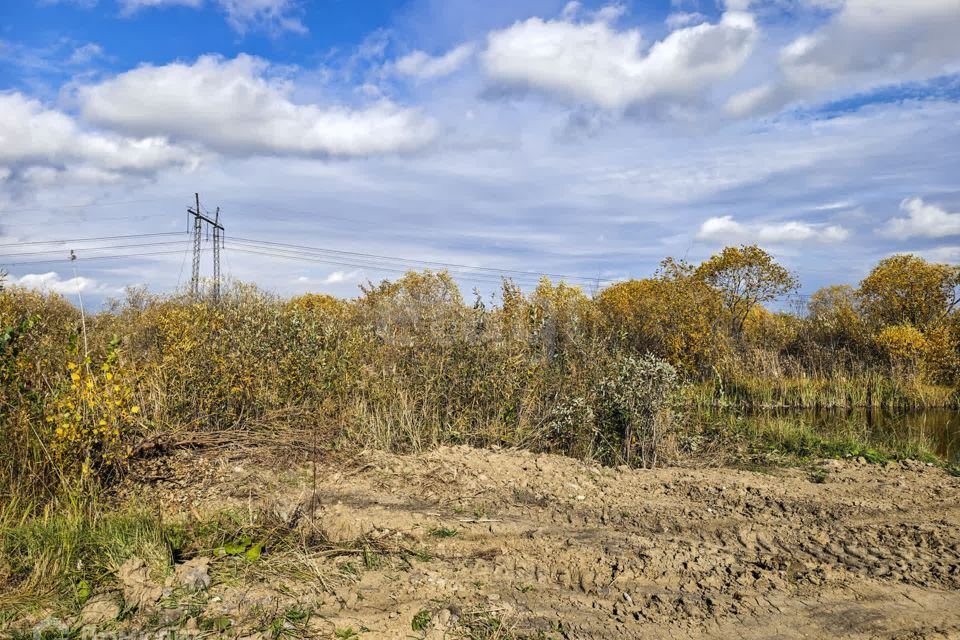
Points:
(421, 621)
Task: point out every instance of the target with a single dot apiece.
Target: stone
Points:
(100, 609)
(194, 574)
(138, 590)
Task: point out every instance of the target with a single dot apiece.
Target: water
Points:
(938, 429)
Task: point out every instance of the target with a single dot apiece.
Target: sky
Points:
(579, 139)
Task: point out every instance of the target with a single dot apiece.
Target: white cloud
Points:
(242, 15)
(234, 107)
(950, 255)
(274, 15)
(34, 137)
(594, 62)
(51, 281)
(684, 19)
(338, 277)
(923, 220)
(131, 6)
(85, 54)
(726, 229)
(866, 43)
(423, 66)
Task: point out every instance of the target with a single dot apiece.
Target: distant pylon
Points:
(198, 220)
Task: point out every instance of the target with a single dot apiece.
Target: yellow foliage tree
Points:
(907, 290)
(904, 345)
(672, 315)
(745, 276)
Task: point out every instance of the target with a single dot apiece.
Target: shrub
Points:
(634, 405)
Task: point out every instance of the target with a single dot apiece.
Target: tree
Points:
(907, 290)
(745, 276)
(672, 315)
(833, 316)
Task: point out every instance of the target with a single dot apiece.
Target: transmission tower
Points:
(199, 220)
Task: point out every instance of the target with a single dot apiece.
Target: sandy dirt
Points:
(549, 545)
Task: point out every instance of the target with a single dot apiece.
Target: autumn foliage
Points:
(411, 364)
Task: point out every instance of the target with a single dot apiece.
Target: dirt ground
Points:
(546, 545)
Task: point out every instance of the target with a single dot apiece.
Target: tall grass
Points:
(793, 435)
(744, 390)
(406, 366)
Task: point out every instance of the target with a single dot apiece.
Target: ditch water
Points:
(939, 429)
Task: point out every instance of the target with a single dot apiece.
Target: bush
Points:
(634, 405)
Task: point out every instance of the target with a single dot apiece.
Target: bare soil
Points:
(547, 545)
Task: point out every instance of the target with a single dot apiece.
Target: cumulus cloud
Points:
(865, 43)
(423, 66)
(923, 220)
(338, 277)
(51, 281)
(727, 229)
(595, 62)
(233, 106)
(242, 15)
(950, 255)
(36, 140)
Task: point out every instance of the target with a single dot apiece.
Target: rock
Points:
(442, 619)
(100, 609)
(50, 625)
(170, 616)
(138, 590)
(194, 574)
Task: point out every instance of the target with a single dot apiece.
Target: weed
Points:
(442, 532)
(218, 624)
(291, 623)
(421, 621)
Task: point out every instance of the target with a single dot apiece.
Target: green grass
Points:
(52, 563)
(442, 532)
(797, 437)
(65, 556)
(821, 392)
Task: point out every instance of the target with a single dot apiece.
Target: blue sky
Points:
(589, 139)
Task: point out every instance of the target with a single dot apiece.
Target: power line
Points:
(372, 265)
(445, 265)
(86, 258)
(97, 239)
(110, 248)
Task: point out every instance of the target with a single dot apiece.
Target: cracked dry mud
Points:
(546, 543)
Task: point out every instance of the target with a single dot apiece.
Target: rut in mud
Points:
(547, 544)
